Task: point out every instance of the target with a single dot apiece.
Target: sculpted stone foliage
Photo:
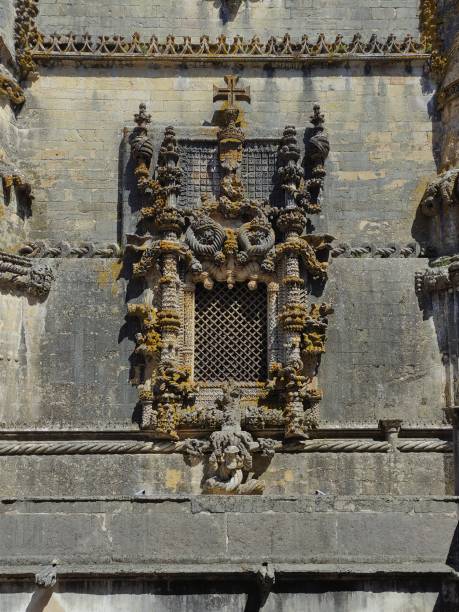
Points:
(230, 239)
(27, 35)
(431, 36)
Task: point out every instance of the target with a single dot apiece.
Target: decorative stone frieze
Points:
(198, 447)
(364, 251)
(229, 241)
(173, 50)
(21, 274)
(45, 249)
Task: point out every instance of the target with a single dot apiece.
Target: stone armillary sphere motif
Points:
(229, 239)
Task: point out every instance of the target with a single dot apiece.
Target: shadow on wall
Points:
(448, 599)
(229, 8)
(40, 600)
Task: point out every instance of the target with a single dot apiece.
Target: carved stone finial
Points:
(142, 118)
(141, 145)
(317, 118)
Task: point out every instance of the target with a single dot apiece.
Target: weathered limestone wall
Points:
(287, 474)
(65, 359)
(167, 536)
(7, 15)
(262, 17)
(116, 595)
(68, 357)
(380, 130)
(13, 214)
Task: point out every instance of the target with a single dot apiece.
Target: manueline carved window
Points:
(231, 333)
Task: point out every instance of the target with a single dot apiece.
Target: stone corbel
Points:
(11, 89)
(13, 178)
(391, 430)
(20, 273)
(47, 578)
(266, 578)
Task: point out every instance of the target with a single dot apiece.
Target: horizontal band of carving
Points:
(114, 447)
(424, 446)
(67, 46)
(86, 448)
(40, 248)
(21, 274)
(343, 446)
(369, 250)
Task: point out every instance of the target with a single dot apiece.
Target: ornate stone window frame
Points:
(230, 238)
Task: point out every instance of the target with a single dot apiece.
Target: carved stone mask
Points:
(206, 235)
(258, 236)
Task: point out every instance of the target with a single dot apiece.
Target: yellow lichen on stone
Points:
(173, 479)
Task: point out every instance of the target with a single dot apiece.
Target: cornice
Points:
(64, 47)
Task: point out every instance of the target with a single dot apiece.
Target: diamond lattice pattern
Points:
(230, 332)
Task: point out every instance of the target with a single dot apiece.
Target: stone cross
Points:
(231, 93)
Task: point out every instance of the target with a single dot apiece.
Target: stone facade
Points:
(228, 314)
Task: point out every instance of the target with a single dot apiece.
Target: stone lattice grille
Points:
(201, 172)
(231, 338)
(258, 168)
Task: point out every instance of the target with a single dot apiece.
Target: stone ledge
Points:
(108, 536)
